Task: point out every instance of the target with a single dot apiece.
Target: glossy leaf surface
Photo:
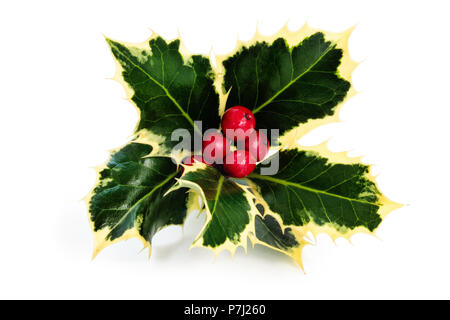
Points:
(228, 208)
(285, 86)
(310, 189)
(130, 196)
(170, 91)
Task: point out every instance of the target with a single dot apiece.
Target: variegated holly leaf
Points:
(228, 207)
(311, 192)
(170, 90)
(286, 85)
(130, 201)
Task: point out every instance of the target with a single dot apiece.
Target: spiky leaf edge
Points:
(228, 245)
(290, 139)
(100, 237)
(145, 136)
(287, 141)
(302, 232)
(293, 38)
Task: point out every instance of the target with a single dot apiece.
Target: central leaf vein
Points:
(293, 81)
(299, 186)
(174, 101)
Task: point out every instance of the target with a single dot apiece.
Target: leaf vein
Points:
(292, 81)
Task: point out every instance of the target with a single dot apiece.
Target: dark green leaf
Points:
(286, 86)
(130, 194)
(309, 189)
(229, 210)
(171, 93)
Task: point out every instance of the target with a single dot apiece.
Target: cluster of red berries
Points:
(238, 125)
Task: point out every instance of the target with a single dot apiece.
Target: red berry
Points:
(215, 147)
(236, 118)
(239, 164)
(258, 145)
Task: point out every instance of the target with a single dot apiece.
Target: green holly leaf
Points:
(287, 84)
(315, 194)
(170, 91)
(228, 208)
(130, 201)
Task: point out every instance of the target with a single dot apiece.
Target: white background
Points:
(60, 115)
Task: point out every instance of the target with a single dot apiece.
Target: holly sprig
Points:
(292, 82)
